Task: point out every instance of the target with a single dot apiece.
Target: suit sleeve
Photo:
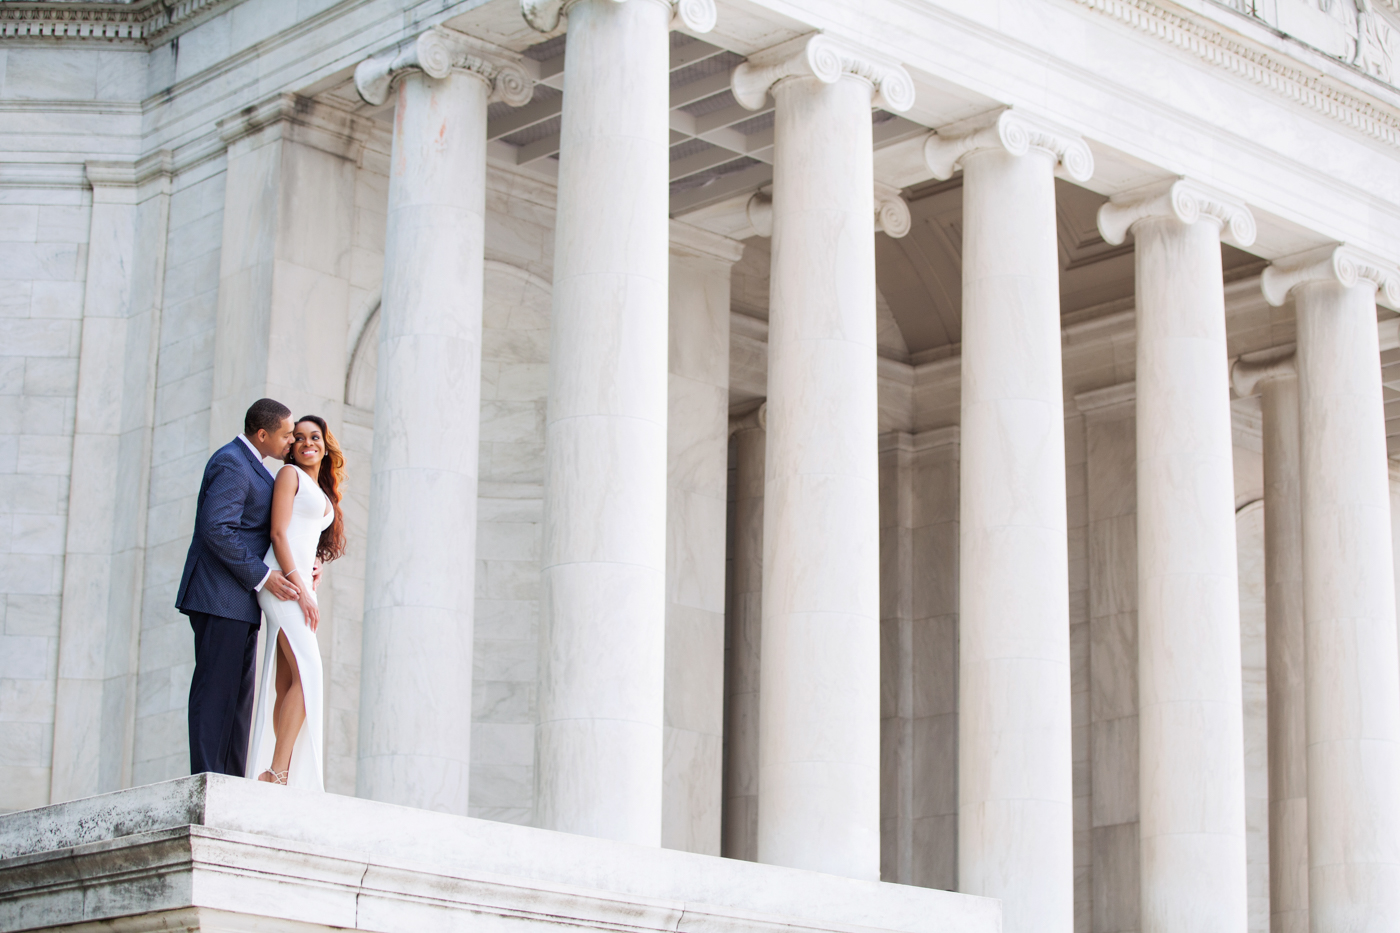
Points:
(218, 525)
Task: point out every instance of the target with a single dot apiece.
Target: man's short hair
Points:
(266, 414)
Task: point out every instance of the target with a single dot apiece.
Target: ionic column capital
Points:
(1014, 131)
(691, 15)
(891, 212)
(1246, 376)
(1183, 199)
(754, 420)
(1344, 265)
(436, 53)
(828, 60)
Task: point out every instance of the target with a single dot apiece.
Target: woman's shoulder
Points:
(287, 476)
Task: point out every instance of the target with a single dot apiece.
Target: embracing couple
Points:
(258, 546)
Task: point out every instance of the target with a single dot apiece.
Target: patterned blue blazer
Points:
(232, 531)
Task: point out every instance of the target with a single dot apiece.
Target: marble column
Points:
(744, 639)
(1191, 742)
(104, 557)
(697, 500)
(1015, 800)
(599, 751)
(1275, 380)
(1352, 680)
(415, 683)
(819, 708)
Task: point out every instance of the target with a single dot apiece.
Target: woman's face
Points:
(308, 445)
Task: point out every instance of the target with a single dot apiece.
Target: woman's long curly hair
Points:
(331, 478)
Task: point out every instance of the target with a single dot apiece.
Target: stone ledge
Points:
(211, 852)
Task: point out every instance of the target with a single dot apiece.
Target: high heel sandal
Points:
(278, 777)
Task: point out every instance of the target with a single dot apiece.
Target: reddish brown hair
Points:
(330, 479)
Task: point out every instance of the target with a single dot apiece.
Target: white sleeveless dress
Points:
(309, 518)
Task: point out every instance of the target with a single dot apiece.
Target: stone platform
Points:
(217, 853)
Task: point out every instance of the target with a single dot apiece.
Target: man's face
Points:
(276, 444)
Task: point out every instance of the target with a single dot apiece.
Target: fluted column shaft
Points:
(744, 642)
(1353, 684)
(415, 723)
(599, 762)
(1191, 718)
(1015, 801)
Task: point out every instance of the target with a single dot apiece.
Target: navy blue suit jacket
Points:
(232, 531)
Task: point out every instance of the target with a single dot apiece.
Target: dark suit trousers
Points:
(221, 693)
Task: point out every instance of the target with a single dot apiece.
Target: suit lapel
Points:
(252, 458)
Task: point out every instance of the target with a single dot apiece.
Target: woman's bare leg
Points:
(281, 683)
(286, 721)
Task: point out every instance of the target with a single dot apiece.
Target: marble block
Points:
(210, 851)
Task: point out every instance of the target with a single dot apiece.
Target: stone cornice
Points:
(1016, 132)
(1186, 200)
(144, 22)
(1285, 78)
(1343, 265)
(947, 438)
(1388, 334)
(314, 123)
(1106, 398)
(827, 59)
(690, 15)
(437, 52)
(693, 241)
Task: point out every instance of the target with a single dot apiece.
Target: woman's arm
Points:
(284, 492)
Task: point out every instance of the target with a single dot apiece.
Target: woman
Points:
(306, 527)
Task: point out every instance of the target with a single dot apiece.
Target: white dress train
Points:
(309, 518)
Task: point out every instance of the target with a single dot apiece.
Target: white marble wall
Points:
(340, 636)
(284, 268)
(1249, 538)
(1109, 432)
(696, 499)
(95, 699)
(43, 259)
(1077, 524)
(514, 374)
(184, 383)
(44, 231)
(515, 359)
(919, 657)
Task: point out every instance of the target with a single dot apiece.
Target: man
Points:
(224, 571)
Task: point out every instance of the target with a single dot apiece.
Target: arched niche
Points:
(514, 383)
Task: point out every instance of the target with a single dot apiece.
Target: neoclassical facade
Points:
(911, 465)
